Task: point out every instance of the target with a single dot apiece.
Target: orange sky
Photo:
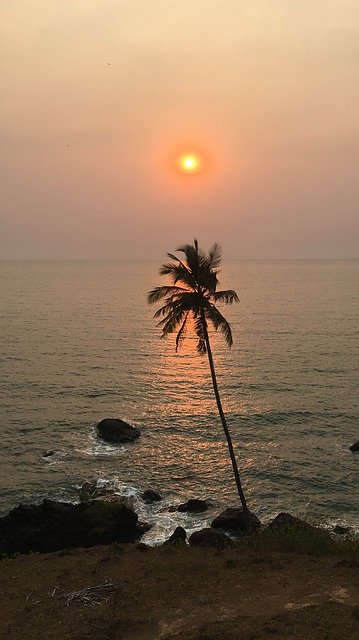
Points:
(98, 96)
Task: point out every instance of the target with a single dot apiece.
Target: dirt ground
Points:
(124, 592)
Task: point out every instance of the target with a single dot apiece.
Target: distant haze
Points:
(97, 96)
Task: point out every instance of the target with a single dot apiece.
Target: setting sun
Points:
(190, 163)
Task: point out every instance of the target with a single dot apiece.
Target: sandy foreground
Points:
(122, 591)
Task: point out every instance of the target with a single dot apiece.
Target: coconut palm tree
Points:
(193, 294)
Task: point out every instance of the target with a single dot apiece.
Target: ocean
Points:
(79, 343)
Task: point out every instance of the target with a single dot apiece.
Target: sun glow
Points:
(190, 163)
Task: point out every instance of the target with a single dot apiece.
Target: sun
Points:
(190, 162)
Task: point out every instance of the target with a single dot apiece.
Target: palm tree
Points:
(194, 294)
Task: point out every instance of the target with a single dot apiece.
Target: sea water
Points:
(79, 343)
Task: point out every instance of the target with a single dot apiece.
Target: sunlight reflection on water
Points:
(80, 344)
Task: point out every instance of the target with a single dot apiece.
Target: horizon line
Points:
(296, 259)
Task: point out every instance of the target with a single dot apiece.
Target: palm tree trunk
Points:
(225, 427)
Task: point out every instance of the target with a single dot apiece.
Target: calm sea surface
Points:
(79, 343)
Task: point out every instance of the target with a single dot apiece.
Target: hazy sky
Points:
(97, 96)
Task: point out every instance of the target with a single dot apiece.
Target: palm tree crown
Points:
(193, 294)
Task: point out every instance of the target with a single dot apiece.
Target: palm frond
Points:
(209, 280)
(178, 273)
(199, 329)
(187, 301)
(170, 323)
(165, 310)
(219, 322)
(192, 259)
(228, 297)
(214, 256)
(180, 334)
(168, 268)
(185, 267)
(161, 292)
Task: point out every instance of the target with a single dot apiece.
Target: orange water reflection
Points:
(184, 396)
(182, 379)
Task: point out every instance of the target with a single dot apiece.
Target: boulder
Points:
(194, 506)
(90, 491)
(116, 431)
(142, 527)
(354, 447)
(150, 496)
(210, 538)
(340, 530)
(286, 520)
(178, 537)
(233, 520)
(52, 526)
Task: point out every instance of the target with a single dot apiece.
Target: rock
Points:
(178, 537)
(115, 431)
(90, 491)
(142, 527)
(232, 519)
(210, 538)
(354, 447)
(48, 454)
(87, 491)
(150, 496)
(340, 530)
(52, 526)
(286, 520)
(126, 501)
(194, 505)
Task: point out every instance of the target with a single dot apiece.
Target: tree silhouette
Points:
(194, 294)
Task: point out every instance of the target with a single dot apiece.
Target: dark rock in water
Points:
(340, 530)
(115, 431)
(354, 447)
(149, 496)
(90, 491)
(178, 537)
(48, 454)
(87, 491)
(52, 526)
(194, 505)
(210, 538)
(141, 528)
(233, 519)
(286, 520)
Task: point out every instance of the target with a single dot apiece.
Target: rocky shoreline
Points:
(102, 518)
(106, 523)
